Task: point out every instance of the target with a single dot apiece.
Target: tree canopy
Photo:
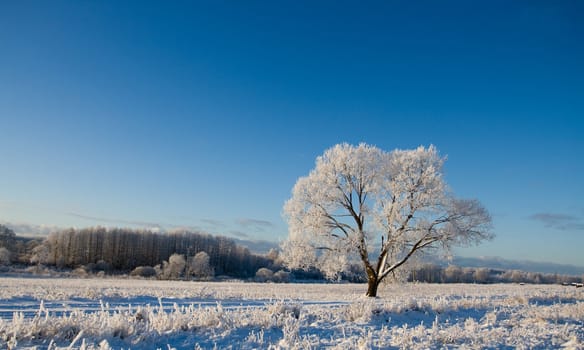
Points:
(361, 203)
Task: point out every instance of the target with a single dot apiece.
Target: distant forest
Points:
(123, 250)
(186, 255)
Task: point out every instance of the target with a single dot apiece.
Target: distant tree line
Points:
(431, 273)
(186, 255)
(123, 250)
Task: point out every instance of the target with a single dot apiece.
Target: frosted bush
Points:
(143, 271)
(264, 275)
(360, 311)
(283, 309)
(290, 330)
(282, 276)
(79, 272)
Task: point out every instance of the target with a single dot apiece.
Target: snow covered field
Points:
(55, 313)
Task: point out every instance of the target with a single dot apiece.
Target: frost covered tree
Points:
(4, 256)
(380, 208)
(200, 266)
(7, 238)
(40, 254)
(174, 267)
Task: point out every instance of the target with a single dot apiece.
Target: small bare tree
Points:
(380, 208)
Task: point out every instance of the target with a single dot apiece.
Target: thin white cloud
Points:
(116, 221)
(249, 223)
(559, 221)
(214, 223)
(239, 234)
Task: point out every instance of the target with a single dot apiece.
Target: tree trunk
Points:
(372, 284)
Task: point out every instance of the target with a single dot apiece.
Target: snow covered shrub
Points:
(79, 272)
(264, 275)
(97, 268)
(143, 271)
(200, 266)
(174, 267)
(281, 276)
(290, 330)
(282, 309)
(360, 311)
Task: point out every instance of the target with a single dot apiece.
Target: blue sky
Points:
(204, 114)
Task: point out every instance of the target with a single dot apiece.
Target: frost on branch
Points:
(381, 208)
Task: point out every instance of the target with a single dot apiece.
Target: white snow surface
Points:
(51, 313)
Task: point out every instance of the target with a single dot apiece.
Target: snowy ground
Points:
(140, 314)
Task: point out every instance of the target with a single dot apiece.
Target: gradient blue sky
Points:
(204, 114)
